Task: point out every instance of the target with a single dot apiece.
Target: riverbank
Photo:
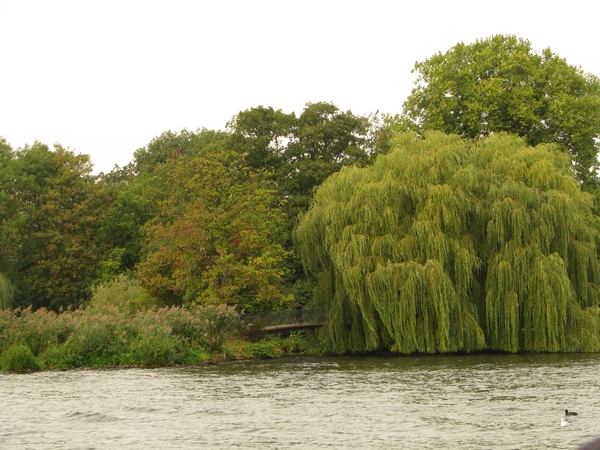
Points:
(104, 337)
(108, 337)
(235, 349)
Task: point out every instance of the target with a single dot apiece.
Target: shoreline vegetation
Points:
(110, 338)
(468, 223)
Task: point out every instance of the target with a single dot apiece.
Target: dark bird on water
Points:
(570, 413)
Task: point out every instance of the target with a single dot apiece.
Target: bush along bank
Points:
(104, 337)
(42, 339)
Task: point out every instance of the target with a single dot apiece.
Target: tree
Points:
(325, 140)
(445, 245)
(299, 153)
(6, 292)
(48, 231)
(501, 84)
(172, 145)
(262, 134)
(7, 210)
(217, 238)
(121, 233)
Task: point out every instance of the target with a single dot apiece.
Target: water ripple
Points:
(477, 401)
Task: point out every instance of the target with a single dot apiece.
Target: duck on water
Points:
(570, 413)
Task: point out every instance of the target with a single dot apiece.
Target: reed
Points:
(109, 336)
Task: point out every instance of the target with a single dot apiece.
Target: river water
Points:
(426, 402)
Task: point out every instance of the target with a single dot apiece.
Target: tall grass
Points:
(109, 335)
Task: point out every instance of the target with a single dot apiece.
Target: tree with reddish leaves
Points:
(218, 236)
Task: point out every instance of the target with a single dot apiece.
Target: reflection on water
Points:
(472, 401)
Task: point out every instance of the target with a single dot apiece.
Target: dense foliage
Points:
(51, 207)
(501, 84)
(104, 335)
(445, 245)
(217, 237)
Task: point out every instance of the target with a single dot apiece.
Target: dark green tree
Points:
(172, 145)
(48, 233)
(325, 140)
(502, 84)
(262, 134)
(299, 153)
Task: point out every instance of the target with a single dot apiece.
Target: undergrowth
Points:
(108, 336)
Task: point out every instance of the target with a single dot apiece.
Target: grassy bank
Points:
(99, 337)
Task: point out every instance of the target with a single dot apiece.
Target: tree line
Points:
(198, 216)
(208, 216)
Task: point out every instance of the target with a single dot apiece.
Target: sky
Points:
(103, 78)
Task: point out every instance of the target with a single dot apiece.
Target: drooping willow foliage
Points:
(446, 246)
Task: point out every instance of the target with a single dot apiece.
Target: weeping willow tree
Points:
(6, 292)
(446, 246)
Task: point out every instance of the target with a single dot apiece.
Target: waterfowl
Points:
(570, 413)
(564, 422)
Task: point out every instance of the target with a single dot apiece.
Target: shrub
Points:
(122, 292)
(19, 357)
(296, 342)
(263, 350)
(38, 330)
(253, 331)
(59, 357)
(107, 335)
(157, 347)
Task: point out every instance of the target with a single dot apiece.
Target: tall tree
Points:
(299, 153)
(7, 210)
(49, 235)
(217, 238)
(121, 231)
(445, 245)
(325, 140)
(502, 84)
(6, 292)
(262, 134)
(172, 145)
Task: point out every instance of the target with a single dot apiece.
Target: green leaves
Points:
(218, 236)
(501, 84)
(446, 246)
(6, 292)
(52, 207)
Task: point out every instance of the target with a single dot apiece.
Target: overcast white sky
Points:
(105, 77)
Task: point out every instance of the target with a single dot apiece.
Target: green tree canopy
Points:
(121, 230)
(51, 207)
(6, 292)
(446, 245)
(262, 134)
(172, 145)
(218, 236)
(501, 84)
(300, 152)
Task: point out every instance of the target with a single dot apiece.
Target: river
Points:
(425, 402)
